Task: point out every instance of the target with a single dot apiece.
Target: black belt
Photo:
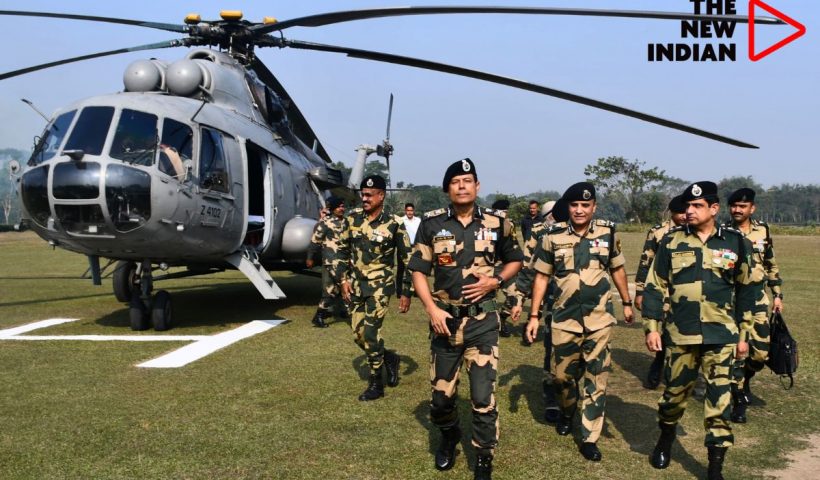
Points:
(473, 310)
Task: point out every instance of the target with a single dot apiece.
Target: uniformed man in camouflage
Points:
(765, 273)
(462, 245)
(366, 270)
(503, 205)
(677, 210)
(703, 271)
(324, 244)
(581, 255)
(557, 213)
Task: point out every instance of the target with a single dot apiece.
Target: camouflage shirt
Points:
(650, 246)
(708, 285)
(579, 264)
(367, 253)
(523, 281)
(325, 239)
(765, 268)
(453, 252)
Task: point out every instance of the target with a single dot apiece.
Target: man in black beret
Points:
(461, 167)
(765, 273)
(677, 211)
(366, 267)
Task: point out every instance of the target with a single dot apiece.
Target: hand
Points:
(639, 302)
(309, 263)
(653, 342)
(778, 305)
(346, 291)
(481, 288)
(515, 312)
(404, 304)
(629, 315)
(438, 319)
(742, 350)
(532, 329)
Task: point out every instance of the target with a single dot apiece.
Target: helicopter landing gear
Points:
(143, 310)
(126, 278)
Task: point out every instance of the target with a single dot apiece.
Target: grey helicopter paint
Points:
(204, 162)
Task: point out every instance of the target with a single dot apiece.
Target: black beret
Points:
(581, 191)
(677, 205)
(704, 189)
(560, 211)
(460, 167)
(373, 181)
(333, 202)
(502, 204)
(742, 195)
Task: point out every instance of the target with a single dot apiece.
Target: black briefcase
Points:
(783, 357)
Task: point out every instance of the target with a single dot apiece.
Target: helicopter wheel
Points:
(125, 280)
(161, 312)
(138, 314)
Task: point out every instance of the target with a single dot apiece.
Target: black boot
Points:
(319, 319)
(483, 468)
(663, 450)
(564, 425)
(375, 387)
(738, 405)
(446, 453)
(747, 389)
(653, 378)
(716, 456)
(590, 451)
(551, 410)
(391, 362)
(344, 313)
(504, 331)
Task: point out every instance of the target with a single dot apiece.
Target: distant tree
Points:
(627, 182)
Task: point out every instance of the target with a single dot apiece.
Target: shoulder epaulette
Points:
(733, 230)
(497, 213)
(657, 227)
(355, 210)
(677, 228)
(557, 227)
(435, 213)
(604, 223)
(761, 223)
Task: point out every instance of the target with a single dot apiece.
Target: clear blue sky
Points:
(520, 141)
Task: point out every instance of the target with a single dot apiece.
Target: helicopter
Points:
(207, 163)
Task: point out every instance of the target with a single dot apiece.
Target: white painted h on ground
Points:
(202, 346)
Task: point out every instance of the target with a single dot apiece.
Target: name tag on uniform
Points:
(600, 244)
(486, 234)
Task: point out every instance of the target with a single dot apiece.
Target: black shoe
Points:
(590, 451)
(375, 387)
(483, 468)
(319, 320)
(446, 453)
(564, 425)
(716, 456)
(653, 378)
(391, 362)
(662, 454)
(504, 331)
(738, 406)
(551, 411)
(344, 314)
(747, 389)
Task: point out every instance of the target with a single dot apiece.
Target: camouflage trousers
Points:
(331, 292)
(758, 350)
(576, 356)
(367, 315)
(681, 366)
(475, 344)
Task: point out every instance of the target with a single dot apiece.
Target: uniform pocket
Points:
(444, 253)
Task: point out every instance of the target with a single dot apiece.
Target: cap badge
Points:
(587, 195)
(369, 182)
(465, 165)
(696, 190)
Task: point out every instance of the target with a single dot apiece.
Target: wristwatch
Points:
(500, 280)
(627, 303)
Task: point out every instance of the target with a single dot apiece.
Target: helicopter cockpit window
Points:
(90, 131)
(175, 148)
(52, 138)
(213, 174)
(135, 140)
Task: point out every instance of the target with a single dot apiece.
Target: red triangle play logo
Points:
(801, 30)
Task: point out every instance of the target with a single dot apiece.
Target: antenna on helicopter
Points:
(28, 102)
(386, 149)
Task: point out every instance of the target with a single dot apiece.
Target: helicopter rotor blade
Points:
(150, 46)
(389, 117)
(511, 82)
(170, 27)
(329, 18)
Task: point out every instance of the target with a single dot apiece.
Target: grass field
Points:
(282, 404)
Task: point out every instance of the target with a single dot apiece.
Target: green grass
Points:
(283, 404)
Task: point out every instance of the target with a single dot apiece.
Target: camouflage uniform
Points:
(583, 316)
(325, 242)
(453, 253)
(765, 273)
(710, 308)
(367, 259)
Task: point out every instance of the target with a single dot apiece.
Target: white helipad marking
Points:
(203, 344)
